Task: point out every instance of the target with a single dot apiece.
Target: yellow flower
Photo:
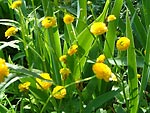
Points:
(4, 71)
(16, 4)
(89, 2)
(73, 49)
(111, 18)
(102, 71)
(59, 92)
(65, 72)
(24, 87)
(68, 19)
(144, 52)
(63, 58)
(11, 31)
(113, 77)
(42, 83)
(123, 43)
(48, 22)
(98, 28)
(101, 59)
(138, 75)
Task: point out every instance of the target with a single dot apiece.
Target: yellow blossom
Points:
(89, 2)
(4, 71)
(102, 71)
(68, 18)
(145, 52)
(73, 49)
(111, 18)
(63, 58)
(59, 92)
(98, 28)
(24, 87)
(65, 72)
(113, 77)
(48, 22)
(101, 59)
(16, 4)
(11, 31)
(138, 76)
(123, 43)
(42, 83)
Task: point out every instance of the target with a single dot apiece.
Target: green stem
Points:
(24, 34)
(13, 111)
(125, 97)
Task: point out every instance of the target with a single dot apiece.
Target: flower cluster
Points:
(102, 71)
(59, 92)
(43, 84)
(48, 22)
(24, 87)
(4, 71)
(11, 31)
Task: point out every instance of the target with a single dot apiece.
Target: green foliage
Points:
(35, 49)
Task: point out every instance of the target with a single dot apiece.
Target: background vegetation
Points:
(34, 50)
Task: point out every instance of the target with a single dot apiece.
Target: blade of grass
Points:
(81, 15)
(96, 103)
(146, 11)
(140, 30)
(132, 70)
(145, 74)
(112, 26)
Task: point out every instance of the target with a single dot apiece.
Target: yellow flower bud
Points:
(59, 92)
(63, 58)
(24, 87)
(138, 76)
(16, 4)
(65, 72)
(10, 31)
(4, 71)
(123, 43)
(98, 28)
(68, 19)
(101, 59)
(48, 22)
(111, 18)
(73, 49)
(44, 84)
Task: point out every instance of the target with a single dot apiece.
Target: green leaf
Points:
(8, 22)
(96, 103)
(81, 15)
(145, 73)
(3, 109)
(132, 70)
(146, 11)
(140, 29)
